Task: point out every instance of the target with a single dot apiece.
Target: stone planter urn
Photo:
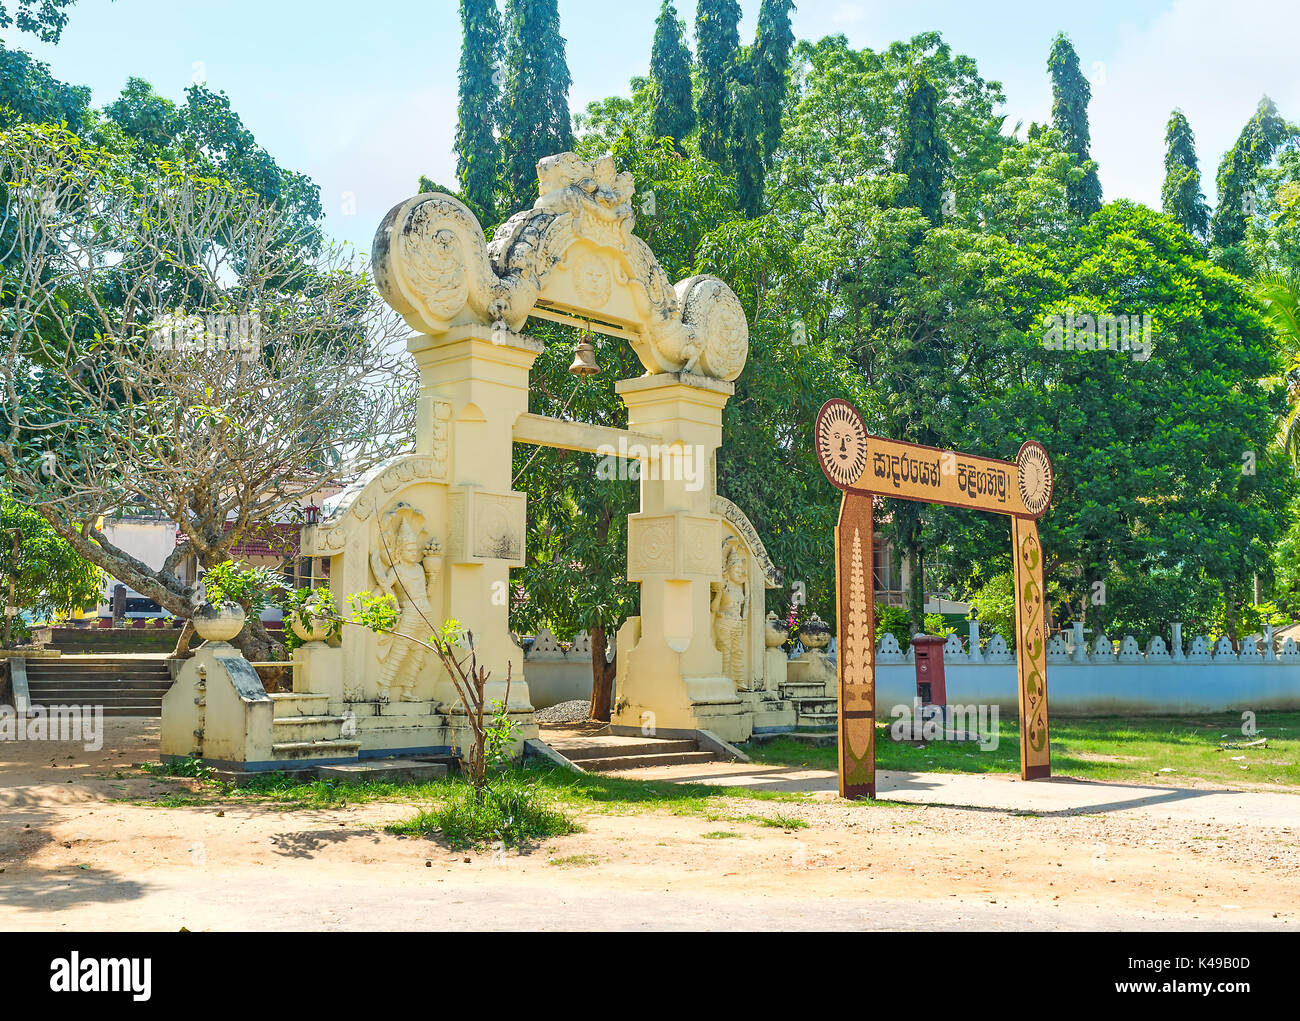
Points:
(315, 631)
(815, 633)
(218, 622)
(775, 632)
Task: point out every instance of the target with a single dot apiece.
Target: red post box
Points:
(930, 686)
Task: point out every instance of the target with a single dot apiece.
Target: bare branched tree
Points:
(172, 344)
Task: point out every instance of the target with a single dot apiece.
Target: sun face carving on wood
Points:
(1034, 469)
(841, 443)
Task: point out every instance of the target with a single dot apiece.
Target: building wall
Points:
(149, 540)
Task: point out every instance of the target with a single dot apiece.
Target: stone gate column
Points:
(473, 385)
(671, 677)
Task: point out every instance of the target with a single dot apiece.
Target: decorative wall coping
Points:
(1102, 650)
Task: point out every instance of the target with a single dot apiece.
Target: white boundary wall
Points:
(1081, 679)
(1097, 680)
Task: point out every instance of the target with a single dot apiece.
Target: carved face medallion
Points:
(591, 281)
(1034, 469)
(841, 438)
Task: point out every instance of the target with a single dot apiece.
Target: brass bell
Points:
(584, 359)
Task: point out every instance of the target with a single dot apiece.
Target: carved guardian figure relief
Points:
(407, 564)
(730, 608)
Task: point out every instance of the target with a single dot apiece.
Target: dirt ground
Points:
(74, 857)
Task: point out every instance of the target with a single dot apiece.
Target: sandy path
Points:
(854, 867)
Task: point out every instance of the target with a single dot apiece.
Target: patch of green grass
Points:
(177, 801)
(720, 835)
(510, 809)
(573, 861)
(782, 822)
(1132, 749)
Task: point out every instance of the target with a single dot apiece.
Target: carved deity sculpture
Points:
(730, 609)
(407, 565)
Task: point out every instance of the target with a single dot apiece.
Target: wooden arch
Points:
(864, 466)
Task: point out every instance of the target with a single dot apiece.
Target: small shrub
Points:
(188, 766)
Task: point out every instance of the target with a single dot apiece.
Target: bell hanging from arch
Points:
(584, 359)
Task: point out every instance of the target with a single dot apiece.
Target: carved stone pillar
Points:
(473, 385)
(672, 678)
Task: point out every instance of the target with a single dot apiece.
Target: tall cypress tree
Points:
(771, 55)
(923, 156)
(717, 37)
(1070, 95)
(673, 111)
(1252, 151)
(476, 143)
(1181, 195)
(745, 145)
(535, 106)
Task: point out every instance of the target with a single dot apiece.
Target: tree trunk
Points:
(602, 676)
(182, 649)
(916, 597)
(256, 645)
(1230, 615)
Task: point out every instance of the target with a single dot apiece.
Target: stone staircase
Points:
(814, 708)
(604, 753)
(123, 685)
(304, 729)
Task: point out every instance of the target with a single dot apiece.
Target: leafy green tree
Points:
(149, 120)
(28, 92)
(717, 38)
(1236, 180)
(48, 576)
(673, 109)
(1161, 464)
(1070, 95)
(477, 113)
(210, 137)
(535, 101)
(1181, 195)
(911, 307)
(1273, 237)
(771, 56)
(1279, 296)
(45, 19)
(767, 465)
(1286, 566)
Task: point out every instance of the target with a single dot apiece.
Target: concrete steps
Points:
(122, 685)
(290, 704)
(297, 729)
(385, 770)
(609, 763)
(603, 753)
(297, 751)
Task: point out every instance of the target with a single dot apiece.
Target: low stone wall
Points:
(556, 674)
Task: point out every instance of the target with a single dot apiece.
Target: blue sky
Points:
(362, 97)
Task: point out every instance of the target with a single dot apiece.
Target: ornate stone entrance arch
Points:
(571, 258)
